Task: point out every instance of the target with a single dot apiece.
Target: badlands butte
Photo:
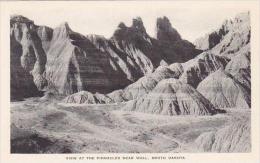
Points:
(130, 93)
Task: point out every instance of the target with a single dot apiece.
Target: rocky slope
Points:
(172, 46)
(239, 67)
(172, 97)
(85, 97)
(135, 90)
(191, 72)
(224, 91)
(231, 87)
(233, 138)
(197, 69)
(74, 64)
(136, 53)
(232, 36)
(63, 61)
(147, 83)
(28, 58)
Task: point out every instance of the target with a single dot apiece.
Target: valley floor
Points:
(51, 127)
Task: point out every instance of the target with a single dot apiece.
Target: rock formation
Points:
(137, 54)
(130, 64)
(85, 97)
(240, 68)
(223, 91)
(197, 69)
(63, 61)
(232, 87)
(133, 91)
(28, 58)
(233, 138)
(74, 64)
(146, 84)
(171, 45)
(172, 97)
(229, 38)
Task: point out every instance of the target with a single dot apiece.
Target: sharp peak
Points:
(64, 25)
(163, 21)
(137, 19)
(164, 18)
(165, 31)
(137, 22)
(20, 18)
(122, 25)
(62, 31)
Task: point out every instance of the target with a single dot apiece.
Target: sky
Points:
(192, 20)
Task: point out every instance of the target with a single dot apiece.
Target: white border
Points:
(6, 157)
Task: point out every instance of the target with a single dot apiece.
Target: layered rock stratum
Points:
(214, 79)
(65, 62)
(234, 137)
(172, 97)
(224, 91)
(227, 40)
(28, 58)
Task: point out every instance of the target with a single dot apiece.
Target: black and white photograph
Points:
(100, 79)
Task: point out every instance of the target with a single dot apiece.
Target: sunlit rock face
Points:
(224, 91)
(235, 67)
(136, 90)
(63, 61)
(239, 67)
(172, 97)
(127, 66)
(230, 38)
(75, 64)
(197, 69)
(136, 53)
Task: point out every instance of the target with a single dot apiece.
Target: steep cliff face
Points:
(137, 45)
(171, 45)
(232, 86)
(133, 91)
(165, 32)
(22, 84)
(28, 58)
(224, 91)
(45, 34)
(197, 69)
(232, 36)
(147, 83)
(136, 53)
(172, 97)
(74, 64)
(239, 67)
(66, 62)
(131, 49)
(236, 69)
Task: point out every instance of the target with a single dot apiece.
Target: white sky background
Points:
(192, 20)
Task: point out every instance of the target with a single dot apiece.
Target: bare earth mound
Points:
(223, 91)
(172, 97)
(232, 138)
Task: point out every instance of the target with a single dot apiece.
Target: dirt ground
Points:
(52, 127)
